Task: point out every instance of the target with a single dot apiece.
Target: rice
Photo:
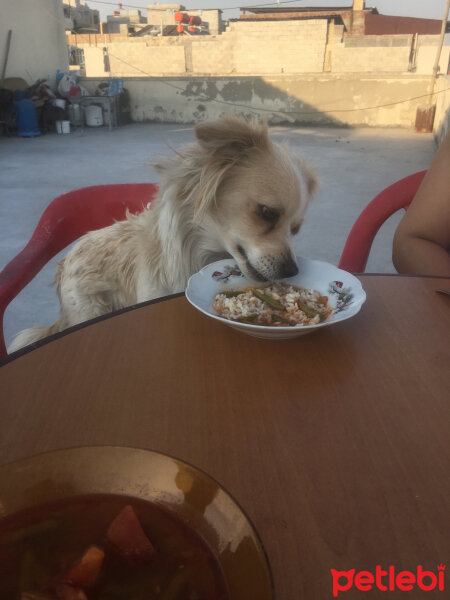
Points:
(276, 305)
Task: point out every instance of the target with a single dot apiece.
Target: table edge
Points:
(22, 351)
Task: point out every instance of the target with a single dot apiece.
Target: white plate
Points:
(344, 291)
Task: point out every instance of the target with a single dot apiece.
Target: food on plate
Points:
(100, 547)
(275, 305)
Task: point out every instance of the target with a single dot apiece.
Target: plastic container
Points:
(26, 118)
(21, 95)
(115, 86)
(75, 115)
(59, 102)
(62, 126)
(93, 115)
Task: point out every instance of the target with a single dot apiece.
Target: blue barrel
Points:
(26, 118)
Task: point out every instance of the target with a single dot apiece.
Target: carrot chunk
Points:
(85, 574)
(128, 539)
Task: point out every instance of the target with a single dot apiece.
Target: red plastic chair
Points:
(65, 219)
(386, 203)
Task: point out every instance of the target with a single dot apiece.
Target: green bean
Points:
(268, 300)
(280, 318)
(30, 531)
(309, 312)
(248, 319)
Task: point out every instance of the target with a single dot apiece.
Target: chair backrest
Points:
(65, 219)
(386, 203)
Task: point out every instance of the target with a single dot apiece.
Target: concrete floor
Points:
(353, 166)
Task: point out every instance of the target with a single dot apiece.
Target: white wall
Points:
(38, 44)
(426, 55)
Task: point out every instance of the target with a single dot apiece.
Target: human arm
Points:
(422, 240)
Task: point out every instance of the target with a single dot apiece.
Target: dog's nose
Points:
(289, 268)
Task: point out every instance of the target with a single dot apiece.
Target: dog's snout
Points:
(289, 268)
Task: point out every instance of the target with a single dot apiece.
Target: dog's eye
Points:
(271, 215)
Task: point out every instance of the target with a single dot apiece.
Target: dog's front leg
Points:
(147, 289)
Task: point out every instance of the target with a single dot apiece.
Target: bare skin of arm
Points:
(422, 240)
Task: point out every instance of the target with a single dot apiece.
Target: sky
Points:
(430, 9)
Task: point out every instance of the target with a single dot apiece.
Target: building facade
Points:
(79, 17)
(33, 56)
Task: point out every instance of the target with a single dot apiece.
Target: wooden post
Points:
(438, 53)
(329, 46)
(5, 62)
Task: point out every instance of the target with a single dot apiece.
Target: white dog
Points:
(234, 192)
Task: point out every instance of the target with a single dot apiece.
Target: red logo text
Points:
(388, 580)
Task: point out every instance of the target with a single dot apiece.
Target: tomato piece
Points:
(128, 539)
(85, 574)
(68, 592)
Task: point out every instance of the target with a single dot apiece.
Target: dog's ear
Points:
(308, 175)
(231, 135)
(223, 142)
(210, 179)
(312, 183)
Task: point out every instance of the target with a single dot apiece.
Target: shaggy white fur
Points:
(234, 192)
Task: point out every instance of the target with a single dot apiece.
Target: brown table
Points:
(337, 443)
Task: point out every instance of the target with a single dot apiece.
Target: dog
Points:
(234, 192)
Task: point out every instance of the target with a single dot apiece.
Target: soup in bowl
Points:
(119, 523)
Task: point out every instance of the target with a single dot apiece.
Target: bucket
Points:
(26, 118)
(62, 126)
(59, 102)
(75, 115)
(94, 116)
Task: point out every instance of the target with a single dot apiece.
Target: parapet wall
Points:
(349, 100)
(304, 71)
(259, 48)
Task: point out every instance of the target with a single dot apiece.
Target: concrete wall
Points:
(369, 53)
(426, 55)
(298, 71)
(246, 48)
(277, 47)
(80, 15)
(38, 45)
(208, 56)
(315, 99)
(265, 48)
(442, 117)
(135, 57)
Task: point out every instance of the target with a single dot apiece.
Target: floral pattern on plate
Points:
(228, 271)
(344, 295)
